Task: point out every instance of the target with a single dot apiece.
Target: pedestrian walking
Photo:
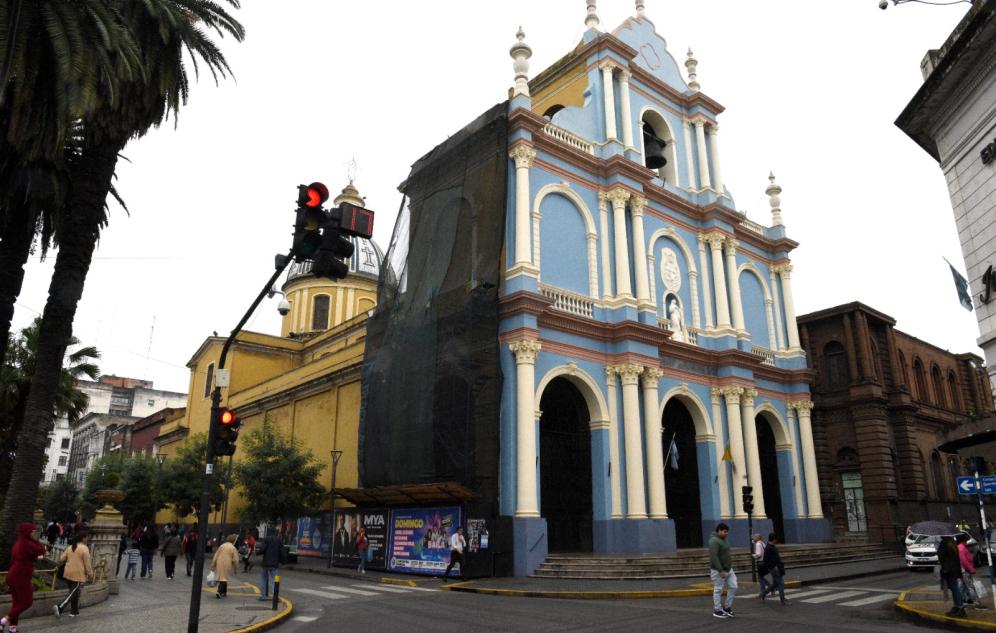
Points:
(757, 553)
(250, 548)
(148, 543)
(25, 553)
(773, 563)
(950, 568)
(273, 556)
(132, 554)
(79, 569)
(721, 572)
(968, 572)
(52, 532)
(457, 545)
(224, 564)
(170, 551)
(188, 546)
(362, 545)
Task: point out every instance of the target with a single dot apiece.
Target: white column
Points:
(610, 101)
(717, 172)
(618, 198)
(693, 287)
(603, 226)
(704, 181)
(791, 327)
(637, 205)
(769, 314)
(593, 265)
(689, 163)
(776, 309)
(752, 454)
(635, 498)
(523, 157)
(615, 479)
(706, 286)
(627, 113)
(722, 467)
(733, 281)
(525, 427)
(796, 471)
(803, 408)
(719, 280)
(655, 451)
(732, 397)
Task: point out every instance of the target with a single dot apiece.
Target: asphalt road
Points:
(323, 602)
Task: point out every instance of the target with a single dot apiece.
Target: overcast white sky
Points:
(811, 91)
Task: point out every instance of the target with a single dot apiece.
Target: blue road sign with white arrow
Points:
(966, 485)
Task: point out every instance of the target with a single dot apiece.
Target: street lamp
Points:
(335, 466)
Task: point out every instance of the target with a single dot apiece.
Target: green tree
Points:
(105, 474)
(279, 478)
(183, 476)
(15, 380)
(140, 482)
(163, 30)
(61, 497)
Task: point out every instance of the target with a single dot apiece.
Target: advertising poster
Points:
(347, 525)
(420, 539)
(313, 536)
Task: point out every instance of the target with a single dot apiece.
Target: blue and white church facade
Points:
(649, 343)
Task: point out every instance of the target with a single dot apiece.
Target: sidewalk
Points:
(603, 589)
(162, 606)
(926, 604)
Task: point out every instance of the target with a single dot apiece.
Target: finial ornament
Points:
(641, 9)
(774, 200)
(692, 65)
(520, 53)
(592, 20)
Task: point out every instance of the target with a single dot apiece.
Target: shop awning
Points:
(408, 494)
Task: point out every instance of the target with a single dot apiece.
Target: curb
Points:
(922, 615)
(269, 623)
(389, 580)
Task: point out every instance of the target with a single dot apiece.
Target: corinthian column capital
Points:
(651, 377)
(730, 246)
(618, 197)
(637, 204)
(732, 394)
(785, 270)
(748, 396)
(629, 373)
(802, 406)
(525, 351)
(523, 156)
(715, 240)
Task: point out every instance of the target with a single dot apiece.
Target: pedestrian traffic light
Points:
(227, 432)
(310, 219)
(353, 220)
(334, 249)
(748, 498)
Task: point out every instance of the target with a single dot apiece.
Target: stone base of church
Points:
(529, 544)
(808, 531)
(626, 536)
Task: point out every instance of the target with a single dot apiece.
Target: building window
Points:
(836, 364)
(65, 443)
(955, 392)
(152, 403)
(902, 367)
(63, 460)
(921, 381)
(937, 474)
(935, 377)
(209, 380)
(320, 313)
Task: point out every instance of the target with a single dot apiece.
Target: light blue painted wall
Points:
(755, 313)
(563, 243)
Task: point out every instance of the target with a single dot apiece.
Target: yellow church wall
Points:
(567, 90)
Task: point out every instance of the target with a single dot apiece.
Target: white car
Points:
(921, 549)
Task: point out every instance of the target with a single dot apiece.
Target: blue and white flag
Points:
(961, 285)
(673, 452)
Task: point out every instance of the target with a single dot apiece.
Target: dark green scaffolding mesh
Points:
(431, 375)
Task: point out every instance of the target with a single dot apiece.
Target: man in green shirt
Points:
(721, 572)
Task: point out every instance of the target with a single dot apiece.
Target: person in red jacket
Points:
(25, 553)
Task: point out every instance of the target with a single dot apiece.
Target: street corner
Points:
(267, 620)
(926, 605)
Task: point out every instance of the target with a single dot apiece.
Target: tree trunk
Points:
(15, 245)
(91, 182)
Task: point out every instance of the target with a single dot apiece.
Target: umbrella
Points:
(934, 528)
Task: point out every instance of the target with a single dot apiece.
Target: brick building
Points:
(884, 402)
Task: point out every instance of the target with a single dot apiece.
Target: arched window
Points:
(659, 147)
(955, 391)
(921, 381)
(937, 475)
(938, 385)
(552, 110)
(835, 359)
(902, 370)
(876, 359)
(320, 313)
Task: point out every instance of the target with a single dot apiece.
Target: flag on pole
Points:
(961, 285)
(673, 452)
(727, 455)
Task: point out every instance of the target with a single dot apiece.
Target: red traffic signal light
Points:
(312, 196)
(227, 432)
(227, 417)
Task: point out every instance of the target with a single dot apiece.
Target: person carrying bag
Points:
(79, 569)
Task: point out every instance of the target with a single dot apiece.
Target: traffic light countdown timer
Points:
(322, 236)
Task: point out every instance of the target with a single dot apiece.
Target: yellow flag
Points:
(727, 455)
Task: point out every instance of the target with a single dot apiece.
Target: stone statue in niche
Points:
(676, 322)
(670, 271)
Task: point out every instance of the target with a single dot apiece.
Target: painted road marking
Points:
(834, 596)
(321, 594)
(878, 590)
(358, 592)
(814, 592)
(870, 600)
(306, 618)
(385, 588)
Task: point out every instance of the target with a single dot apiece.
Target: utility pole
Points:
(335, 466)
(748, 492)
(977, 463)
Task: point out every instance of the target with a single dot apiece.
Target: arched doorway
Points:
(770, 484)
(565, 468)
(681, 484)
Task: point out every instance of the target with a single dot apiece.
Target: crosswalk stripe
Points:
(813, 592)
(871, 589)
(870, 600)
(321, 594)
(358, 592)
(834, 596)
(306, 618)
(385, 588)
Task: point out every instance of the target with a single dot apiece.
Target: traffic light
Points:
(228, 431)
(748, 492)
(353, 220)
(335, 248)
(310, 219)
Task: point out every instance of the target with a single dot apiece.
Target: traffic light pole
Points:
(205, 507)
(985, 535)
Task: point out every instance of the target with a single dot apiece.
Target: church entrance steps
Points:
(694, 563)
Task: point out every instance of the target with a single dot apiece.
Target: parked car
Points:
(922, 540)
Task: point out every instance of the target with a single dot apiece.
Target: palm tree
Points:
(163, 30)
(15, 380)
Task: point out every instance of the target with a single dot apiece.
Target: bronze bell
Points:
(653, 148)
